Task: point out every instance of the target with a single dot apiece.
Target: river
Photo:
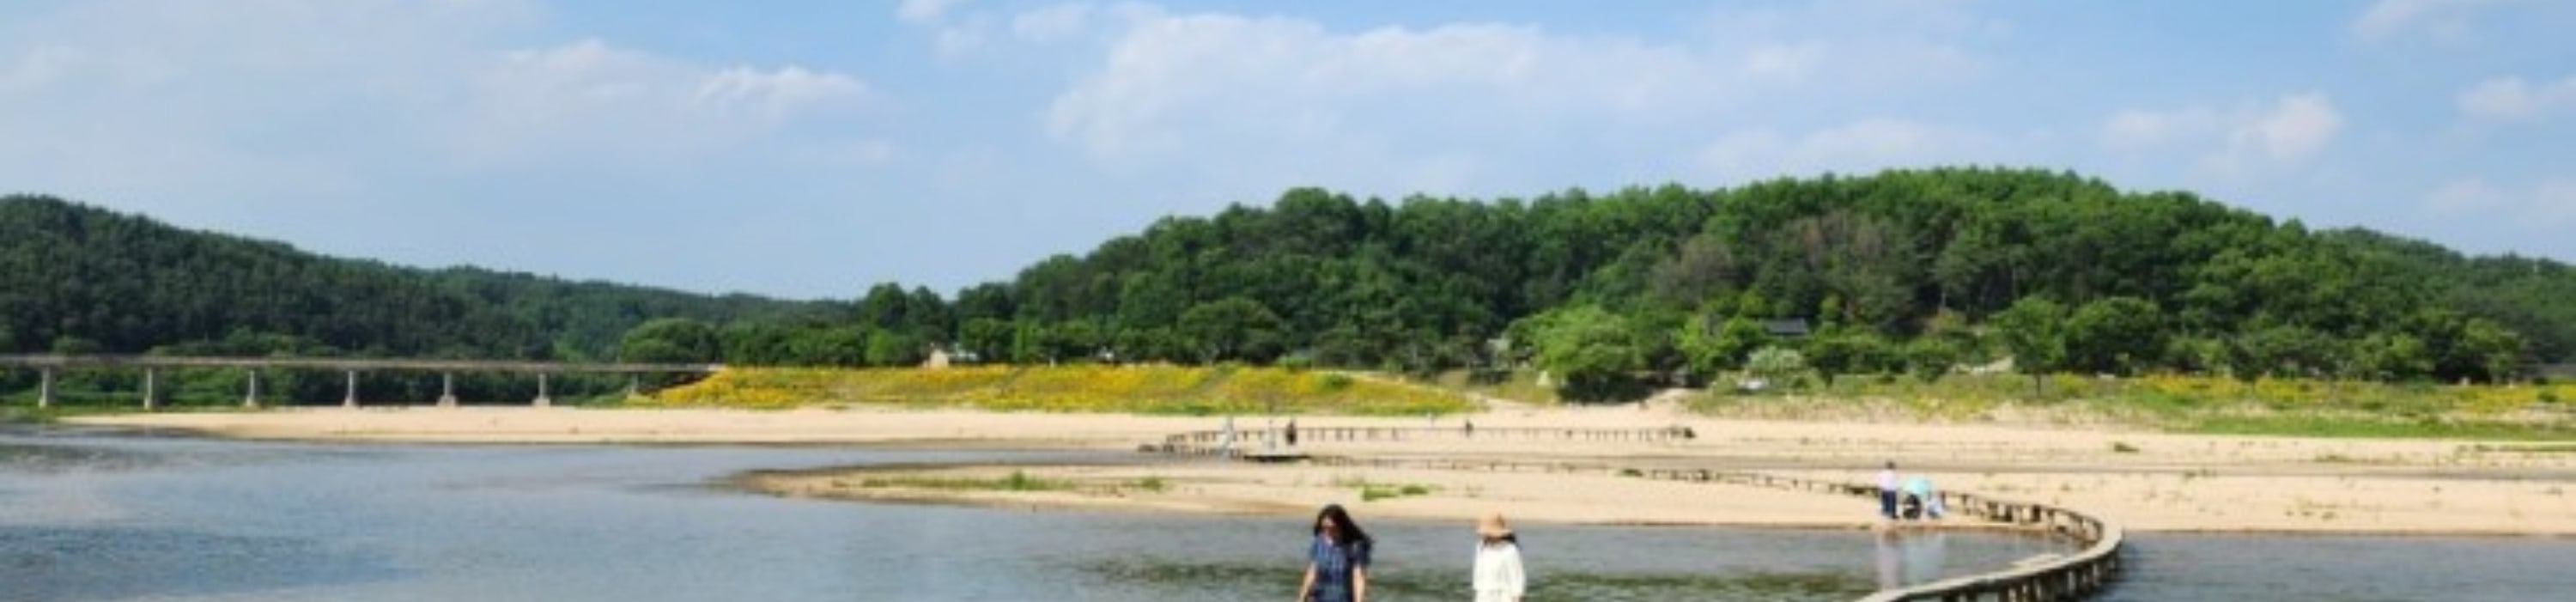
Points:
(101, 515)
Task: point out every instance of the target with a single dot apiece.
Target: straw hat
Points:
(1492, 525)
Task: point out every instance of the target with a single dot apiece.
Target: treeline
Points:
(78, 279)
(1904, 271)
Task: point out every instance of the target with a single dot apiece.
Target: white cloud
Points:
(2510, 98)
(1783, 60)
(1171, 80)
(1235, 106)
(1052, 24)
(2135, 128)
(1854, 41)
(2287, 130)
(2547, 204)
(2294, 129)
(588, 99)
(924, 11)
(1861, 146)
(280, 98)
(2464, 196)
(2554, 204)
(775, 94)
(2443, 19)
(872, 152)
(962, 39)
(36, 68)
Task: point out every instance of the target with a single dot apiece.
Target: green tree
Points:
(1710, 351)
(2032, 330)
(2285, 351)
(1233, 328)
(892, 348)
(846, 347)
(1776, 366)
(1931, 357)
(2489, 351)
(670, 340)
(1592, 349)
(2114, 335)
(1847, 351)
(988, 338)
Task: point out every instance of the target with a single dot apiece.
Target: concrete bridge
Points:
(151, 365)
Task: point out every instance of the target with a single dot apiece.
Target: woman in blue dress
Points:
(1337, 562)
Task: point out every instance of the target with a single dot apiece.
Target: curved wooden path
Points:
(2069, 577)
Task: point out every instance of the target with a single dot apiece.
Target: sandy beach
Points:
(2145, 481)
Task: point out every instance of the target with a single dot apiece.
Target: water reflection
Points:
(1909, 557)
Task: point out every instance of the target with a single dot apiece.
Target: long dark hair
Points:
(1351, 533)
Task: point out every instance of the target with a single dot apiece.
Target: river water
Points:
(97, 515)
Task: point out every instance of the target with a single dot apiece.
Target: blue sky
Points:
(810, 150)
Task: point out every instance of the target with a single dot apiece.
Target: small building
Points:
(938, 359)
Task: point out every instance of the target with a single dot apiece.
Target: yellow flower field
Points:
(1148, 389)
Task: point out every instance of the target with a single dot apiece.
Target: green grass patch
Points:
(2376, 428)
(1017, 481)
(1515, 385)
(2123, 447)
(1374, 491)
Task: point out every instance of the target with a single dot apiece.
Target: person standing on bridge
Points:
(1225, 441)
(1337, 560)
(1887, 491)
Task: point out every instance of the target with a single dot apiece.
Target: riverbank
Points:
(2145, 481)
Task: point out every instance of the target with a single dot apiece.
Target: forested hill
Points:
(80, 279)
(1903, 267)
(1918, 270)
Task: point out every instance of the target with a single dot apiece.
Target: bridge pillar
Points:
(447, 390)
(543, 400)
(44, 388)
(250, 398)
(351, 400)
(149, 401)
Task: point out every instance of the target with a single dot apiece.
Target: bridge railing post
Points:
(351, 399)
(543, 400)
(149, 402)
(250, 397)
(44, 388)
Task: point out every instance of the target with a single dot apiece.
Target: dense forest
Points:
(1914, 271)
(1901, 271)
(76, 279)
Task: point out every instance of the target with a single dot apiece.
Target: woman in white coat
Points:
(1498, 562)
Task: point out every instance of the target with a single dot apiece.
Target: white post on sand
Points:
(447, 390)
(543, 400)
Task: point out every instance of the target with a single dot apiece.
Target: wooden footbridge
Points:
(151, 365)
(2048, 579)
